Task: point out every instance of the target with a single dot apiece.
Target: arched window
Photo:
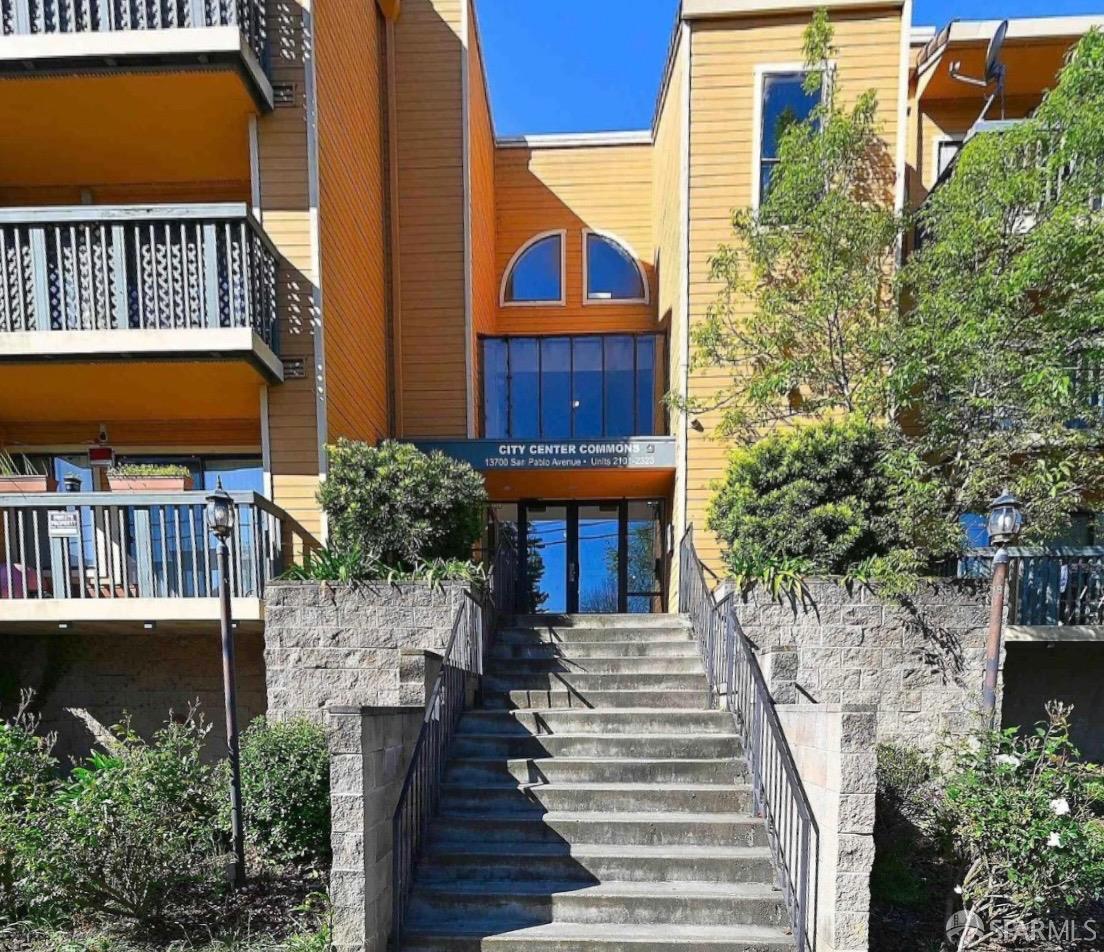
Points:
(535, 274)
(612, 271)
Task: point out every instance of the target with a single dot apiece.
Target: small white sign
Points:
(63, 525)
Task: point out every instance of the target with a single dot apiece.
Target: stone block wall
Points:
(833, 748)
(919, 663)
(365, 643)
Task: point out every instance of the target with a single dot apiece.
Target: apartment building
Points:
(233, 231)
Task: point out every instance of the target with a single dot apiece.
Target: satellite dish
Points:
(994, 70)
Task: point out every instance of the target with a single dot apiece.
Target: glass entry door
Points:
(590, 556)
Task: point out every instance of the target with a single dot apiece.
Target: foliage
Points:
(819, 498)
(353, 565)
(10, 467)
(806, 286)
(132, 825)
(401, 505)
(285, 769)
(1001, 344)
(149, 470)
(1020, 812)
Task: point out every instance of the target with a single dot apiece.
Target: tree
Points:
(996, 359)
(806, 285)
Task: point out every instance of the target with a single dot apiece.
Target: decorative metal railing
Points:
(1058, 585)
(736, 681)
(104, 545)
(121, 267)
(22, 17)
(461, 667)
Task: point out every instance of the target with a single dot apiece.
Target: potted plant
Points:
(149, 477)
(21, 477)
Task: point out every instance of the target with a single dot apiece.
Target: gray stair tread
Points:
(595, 786)
(651, 735)
(605, 816)
(536, 850)
(626, 761)
(625, 888)
(617, 933)
(596, 711)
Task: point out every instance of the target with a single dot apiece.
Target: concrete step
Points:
(541, 797)
(593, 937)
(594, 770)
(582, 682)
(663, 746)
(590, 863)
(509, 904)
(503, 667)
(576, 650)
(625, 829)
(594, 622)
(583, 699)
(643, 720)
(567, 636)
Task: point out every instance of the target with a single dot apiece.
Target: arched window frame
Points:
(628, 249)
(517, 256)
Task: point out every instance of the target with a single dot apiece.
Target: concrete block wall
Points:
(356, 644)
(919, 663)
(833, 748)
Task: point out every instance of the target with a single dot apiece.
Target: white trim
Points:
(937, 141)
(762, 70)
(465, 125)
(704, 9)
(540, 236)
(1023, 28)
(266, 446)
(575, 140)
(58, 611)
(902, 110)
(919, 35)
(635, 258)
(255, 169)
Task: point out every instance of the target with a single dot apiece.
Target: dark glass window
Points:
(587, 386)
(619, 383)
(645, 385)
(524, 386)
(785, 102)
(555, 380)
(612, 273)
(496, 403)
(537, 275)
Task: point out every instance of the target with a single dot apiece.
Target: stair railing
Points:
(457, 680)
(737, 682)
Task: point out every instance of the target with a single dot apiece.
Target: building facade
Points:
(235, 231)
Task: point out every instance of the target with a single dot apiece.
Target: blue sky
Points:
(590, 65)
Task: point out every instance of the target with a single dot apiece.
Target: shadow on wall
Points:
(86, 683)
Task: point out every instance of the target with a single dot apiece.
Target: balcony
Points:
(69, 559)
(57, 36)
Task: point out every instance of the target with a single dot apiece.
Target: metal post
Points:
(993, 643)
(229, 684)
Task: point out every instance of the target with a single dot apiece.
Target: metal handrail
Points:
(461, 666)
(736, 680)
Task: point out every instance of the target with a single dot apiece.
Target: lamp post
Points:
(220, 520)
(1005, 522)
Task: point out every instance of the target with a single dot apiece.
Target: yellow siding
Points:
(135, 193)
(352, 195)
(723, 61)
(430, 210)
(605, 188)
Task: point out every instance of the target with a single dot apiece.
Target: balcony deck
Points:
(81, 560)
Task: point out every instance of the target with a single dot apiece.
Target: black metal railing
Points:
(736, 680)
(461, 667)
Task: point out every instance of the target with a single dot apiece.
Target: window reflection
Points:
(612, 272)
(785, 103)
(537, 275)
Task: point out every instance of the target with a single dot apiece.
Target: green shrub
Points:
(130, 826)
(285, 769)
(352, 565)
(400, 505)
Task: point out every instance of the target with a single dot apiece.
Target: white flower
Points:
(1055, 839)
(1060, 806)
(958, 890)
(1007, 759)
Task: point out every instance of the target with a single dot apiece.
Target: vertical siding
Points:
(285, 213)
(430, 211)
(724, 57)
(605, 188)
(351, 95)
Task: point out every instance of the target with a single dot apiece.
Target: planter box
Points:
(28, 484)
(149, 484)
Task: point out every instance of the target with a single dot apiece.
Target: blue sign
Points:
(650, 452)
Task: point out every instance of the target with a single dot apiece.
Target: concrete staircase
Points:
(594, 803)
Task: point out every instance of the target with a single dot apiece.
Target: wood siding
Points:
(351, 90)
(724, 56)
(430, 210)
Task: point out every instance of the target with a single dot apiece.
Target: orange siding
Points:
(242, 435)
(724, 56)
(430, 210)
(605, 188)
(352, 195)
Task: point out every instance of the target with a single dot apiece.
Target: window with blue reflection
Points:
(537, 275)
(496, 393)
(612, 272)
(645, 385)
(524, 387)
(587, 386)
(785, 103)
(555, 377)
(619, 386)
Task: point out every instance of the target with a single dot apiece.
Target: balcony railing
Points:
(124, 268)
(118, 545)
(26, 17)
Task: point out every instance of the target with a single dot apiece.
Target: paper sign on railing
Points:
(62, 524)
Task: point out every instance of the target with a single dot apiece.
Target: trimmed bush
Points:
(286, 791)
(401, 506)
